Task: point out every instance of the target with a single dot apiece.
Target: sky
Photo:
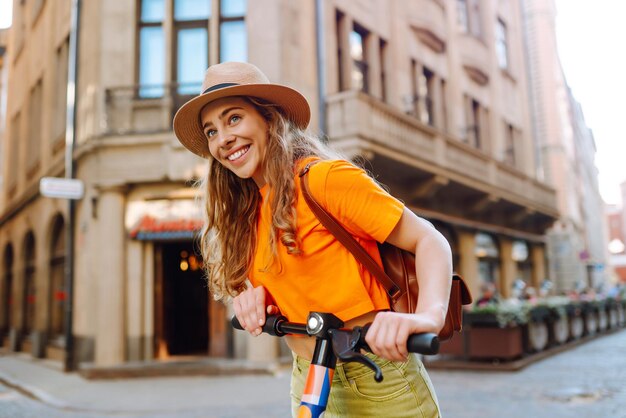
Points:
(590, 36)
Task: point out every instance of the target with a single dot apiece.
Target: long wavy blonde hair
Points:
(228, 238)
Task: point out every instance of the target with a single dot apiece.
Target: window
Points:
(444, 108)
(502, 45)
(358, 53)
(468, 17)
(233, 35)
(151, 49)
(473, 131)
(488, 254)
(33, 151)
(339, 20)
(60, 94)
(425, 95)
(474, 18)
(462, 15)
(383, 74)
(509, 146)
(16, 140)
(57, 280)
(189, 27)
(520, 255)
(191, 22)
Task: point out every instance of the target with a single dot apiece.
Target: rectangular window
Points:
(191, 59)
(358, 53)
(474, 18)
(425, 95)
(151, 49)
(233, 34)
(34, 126)
(191, 44)
(509, 145)
(339, 21)
(502, 45)
(444, 108)
(473, 130)
(16, 140)
(60, 94)
(383, 70)
(462, 15)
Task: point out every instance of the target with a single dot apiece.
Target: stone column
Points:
(509, 268)
(538, 257)
(110, 278)
(468, 263)
(134, 301)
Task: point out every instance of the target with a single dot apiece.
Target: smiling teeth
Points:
(238, 154)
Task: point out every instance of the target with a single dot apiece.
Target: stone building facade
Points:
(577, 243)
(431, 95)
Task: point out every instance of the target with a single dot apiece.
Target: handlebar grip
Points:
(427, 343)
(271, 326)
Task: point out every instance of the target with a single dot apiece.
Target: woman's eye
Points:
(234, 119)
(210, 133)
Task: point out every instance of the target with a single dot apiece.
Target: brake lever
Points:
(346, 345)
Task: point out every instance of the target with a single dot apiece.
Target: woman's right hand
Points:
(251, 306)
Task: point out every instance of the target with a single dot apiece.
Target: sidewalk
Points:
(153, 396)
(585, 381)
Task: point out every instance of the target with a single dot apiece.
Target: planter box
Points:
(495, 343)
(455, 346)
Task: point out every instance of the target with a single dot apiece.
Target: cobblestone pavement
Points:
(586, 381)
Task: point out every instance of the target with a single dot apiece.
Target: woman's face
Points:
(237, 136)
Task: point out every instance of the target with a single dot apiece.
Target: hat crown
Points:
(232, 73)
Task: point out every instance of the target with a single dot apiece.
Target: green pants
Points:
(406, 390)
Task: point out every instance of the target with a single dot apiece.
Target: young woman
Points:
(266, 250)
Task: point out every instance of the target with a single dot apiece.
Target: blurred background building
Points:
(565, 151)
(438, 100)
(616, 216)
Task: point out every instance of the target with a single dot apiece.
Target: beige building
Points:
(577, 242)
(432, 94)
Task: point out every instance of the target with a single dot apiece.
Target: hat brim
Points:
(187, 119)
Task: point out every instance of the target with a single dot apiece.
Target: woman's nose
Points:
(226, 139)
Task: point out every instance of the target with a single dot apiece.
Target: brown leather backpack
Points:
(398, 276)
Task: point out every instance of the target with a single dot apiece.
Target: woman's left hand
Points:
(387, 336)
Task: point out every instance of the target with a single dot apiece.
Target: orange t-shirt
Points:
(326, 277)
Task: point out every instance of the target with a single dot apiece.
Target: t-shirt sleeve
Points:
(360, 204)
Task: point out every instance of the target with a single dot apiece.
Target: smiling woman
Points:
(267, 252)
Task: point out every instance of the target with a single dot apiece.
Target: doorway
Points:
(182, 299)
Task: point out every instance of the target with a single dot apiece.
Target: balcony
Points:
(417, 162)
(143, 109)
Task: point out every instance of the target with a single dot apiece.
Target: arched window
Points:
(488, 254)
(57, 281)
(7, 290)
(29, 284)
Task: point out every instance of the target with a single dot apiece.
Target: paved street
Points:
(587, 381)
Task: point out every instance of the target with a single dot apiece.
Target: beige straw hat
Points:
(235, 79)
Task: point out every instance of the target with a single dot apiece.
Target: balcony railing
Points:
(355, 118)
(144, 109)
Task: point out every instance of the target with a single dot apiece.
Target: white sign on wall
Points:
(60, 188)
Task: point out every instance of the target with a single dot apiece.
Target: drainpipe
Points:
(321, 68)
(70, 132)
